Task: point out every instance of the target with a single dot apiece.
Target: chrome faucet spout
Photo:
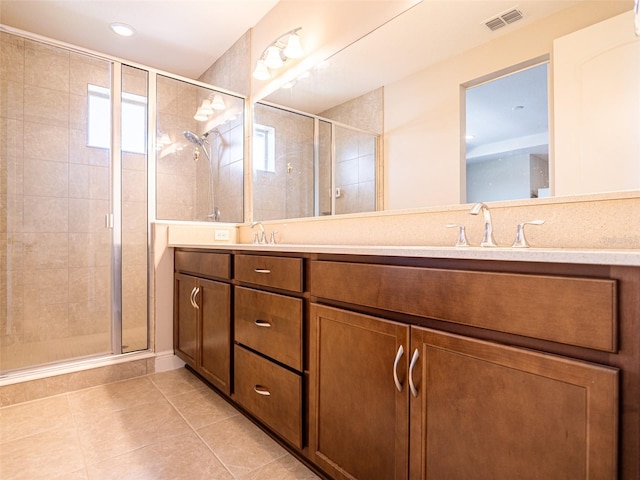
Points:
(263, 235)
(487, 236)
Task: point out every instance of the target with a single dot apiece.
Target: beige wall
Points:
(423, 124)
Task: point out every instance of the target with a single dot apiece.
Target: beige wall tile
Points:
(46, 179)
(46, 66)
(43, 105)
(46, 141)
(45, 214)
(45, 250)
(11, 99)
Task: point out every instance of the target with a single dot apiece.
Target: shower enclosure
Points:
(76, 134)
(200, 153)
(73, 205)
(305, 165)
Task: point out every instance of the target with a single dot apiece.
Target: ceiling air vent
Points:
(504, 19)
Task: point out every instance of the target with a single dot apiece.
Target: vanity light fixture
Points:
(122, 29)
(284, 47)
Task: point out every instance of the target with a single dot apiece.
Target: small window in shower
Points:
(134, 120)
(264, 148)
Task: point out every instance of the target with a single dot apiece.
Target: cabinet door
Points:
(487, 411)
(214, 300)
(358, 423)
(185, 335)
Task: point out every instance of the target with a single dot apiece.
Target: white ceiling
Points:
(184, 37)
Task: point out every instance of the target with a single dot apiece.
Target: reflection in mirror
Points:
(507, 137)
(592, 46)
(200, 150)
(305, 166)
(283, 167)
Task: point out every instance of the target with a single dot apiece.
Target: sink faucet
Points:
(263, 236)
(487, 236)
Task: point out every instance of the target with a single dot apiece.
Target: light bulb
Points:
(293, 48)
(200, 116)
(206, 107)
(273, 58)
(218, 102)
(261, 72)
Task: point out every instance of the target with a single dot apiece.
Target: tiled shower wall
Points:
(356, 167)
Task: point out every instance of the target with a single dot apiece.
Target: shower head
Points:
(193, 138)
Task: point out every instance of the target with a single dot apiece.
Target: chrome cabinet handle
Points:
(414, 360)
(196, 291)
(636, 10)
(262, 323)
(395, 367)
(193, 292)
(260, 390)
(262, 270)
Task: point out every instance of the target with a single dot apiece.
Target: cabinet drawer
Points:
(270, 324)
(574, 311)
(270, 392)
(204, 264)
(277, 272)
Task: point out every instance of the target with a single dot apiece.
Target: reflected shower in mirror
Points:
(199, 153)
(294, 159)
(507, 137)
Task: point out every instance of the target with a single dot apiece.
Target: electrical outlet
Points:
(221, 235)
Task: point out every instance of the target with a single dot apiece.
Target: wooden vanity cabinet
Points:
(483, 410)
(358, 418)
(268, 342)
(468, 407)
(202, 316)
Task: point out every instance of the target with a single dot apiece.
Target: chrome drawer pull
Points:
(395, 368)
(262, 270)
(262, 323)
(414, 360)
(260, 390)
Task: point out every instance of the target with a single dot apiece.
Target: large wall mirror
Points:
(421, 62)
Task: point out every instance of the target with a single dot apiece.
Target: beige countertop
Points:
(630, 257)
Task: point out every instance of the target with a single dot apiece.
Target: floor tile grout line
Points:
(77, 435)
(200, 438)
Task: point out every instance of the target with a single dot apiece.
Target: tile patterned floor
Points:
(167, 425)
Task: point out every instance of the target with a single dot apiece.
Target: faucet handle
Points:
(461, 241)
(272, 237)
(521, 241)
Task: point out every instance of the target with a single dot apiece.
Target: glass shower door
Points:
(73, 218)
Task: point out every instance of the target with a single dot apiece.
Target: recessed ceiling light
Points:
(122, 29)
